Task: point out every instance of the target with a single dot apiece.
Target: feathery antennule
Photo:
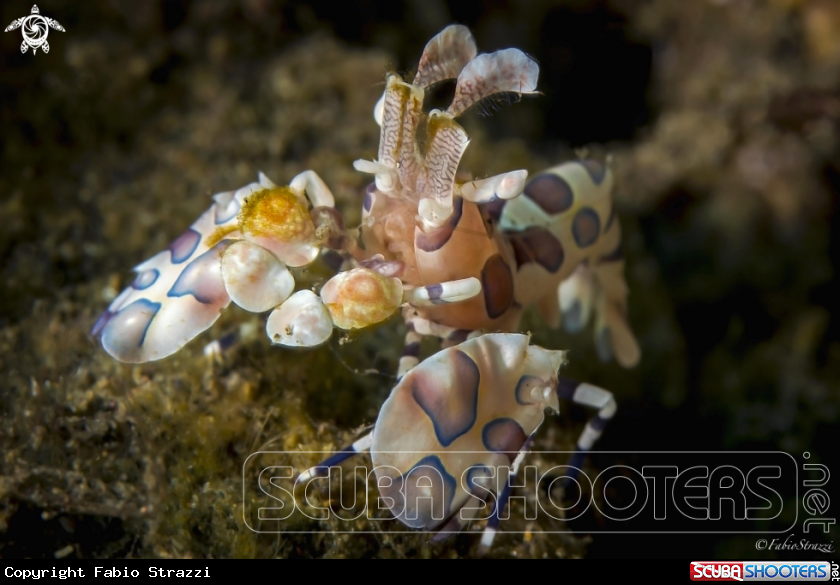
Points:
(445, 55)
(391, 134)
(447, 143)
(402, 108)
(401, 112)
(509, 70)
(408, 162)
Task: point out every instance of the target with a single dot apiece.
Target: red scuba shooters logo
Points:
(794, 571)
(717, 571)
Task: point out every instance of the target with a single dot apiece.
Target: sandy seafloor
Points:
(722, 118)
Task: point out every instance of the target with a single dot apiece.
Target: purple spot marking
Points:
(100, 323)
(430, 467)
(184, 246)
(408, 493)
(596, 169)
(202, 278)
(585, 227)
(497, 286)
(367, 204)
(225, 214)
(538, 245)
(494, 208)
(395, 268)
(126, 329)
(552, 193)
(435, 291)
(145, 279)
(523, 389)
(436, 239)
(452, 409)
(504, 435)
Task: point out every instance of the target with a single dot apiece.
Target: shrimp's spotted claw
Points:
(302, 321)
(238, 249)
(165, 307)
(254, 278)
(361, 297)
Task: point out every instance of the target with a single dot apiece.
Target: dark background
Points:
(723, 121)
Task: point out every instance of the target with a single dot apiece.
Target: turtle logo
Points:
(35, 30)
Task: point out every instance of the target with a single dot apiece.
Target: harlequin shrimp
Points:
(462, 259)
(553, 242)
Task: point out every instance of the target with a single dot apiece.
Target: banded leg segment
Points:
(418, 328)
(492, 527)
(599, 289)
(613, 336)
(215, 351)
(593, 397)
(361, 445)
(411, 352)
(456, 337)
(453, 291)
(425, 327)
